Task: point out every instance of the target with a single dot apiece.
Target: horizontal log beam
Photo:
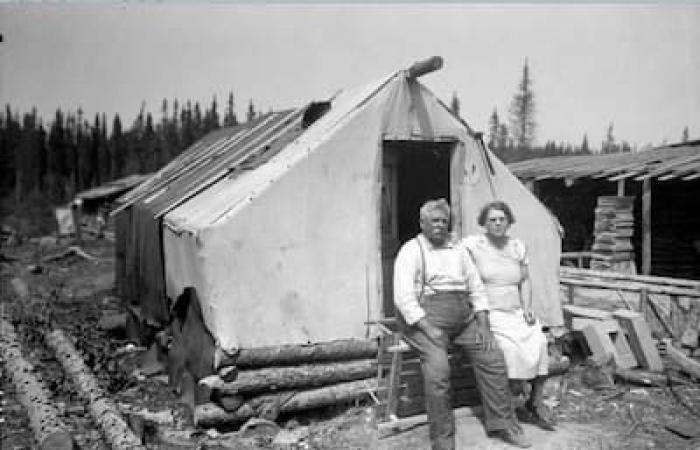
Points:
(285, 355)
(290, 377)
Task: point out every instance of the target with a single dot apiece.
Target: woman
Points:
(503, 265)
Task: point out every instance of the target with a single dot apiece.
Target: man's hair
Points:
(499, 206)
(432, 205)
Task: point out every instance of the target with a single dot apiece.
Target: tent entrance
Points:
(412, 173)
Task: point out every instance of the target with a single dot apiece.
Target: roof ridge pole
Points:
(425, 66)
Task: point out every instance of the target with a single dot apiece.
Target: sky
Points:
(637, 67)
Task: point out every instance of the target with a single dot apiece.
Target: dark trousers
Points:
(450, 312)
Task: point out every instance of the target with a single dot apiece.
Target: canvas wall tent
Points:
(286, 228)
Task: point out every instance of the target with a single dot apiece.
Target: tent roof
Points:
(229, 193)
(677, 161)
(229, 152)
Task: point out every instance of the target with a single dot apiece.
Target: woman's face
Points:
(497, 223)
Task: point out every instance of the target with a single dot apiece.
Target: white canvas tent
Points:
(291, 239)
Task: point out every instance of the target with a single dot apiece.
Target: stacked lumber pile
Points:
(668, 307)
(265, 382)
(614, 227)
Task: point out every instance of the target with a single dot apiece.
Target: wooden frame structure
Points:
(672, 162)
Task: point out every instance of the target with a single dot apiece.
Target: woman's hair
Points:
(431, 205)
(497, 205)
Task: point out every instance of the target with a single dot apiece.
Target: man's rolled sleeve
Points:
(406, 268)
(475, 287)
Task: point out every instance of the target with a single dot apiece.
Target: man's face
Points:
(497, 223)
(435, 227)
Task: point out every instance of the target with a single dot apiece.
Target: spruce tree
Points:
(494, 128)
(454, 104)
(522, 112)
(608, 145)
(584, 145)
(230, 119)
(250, 115)
(117, 149)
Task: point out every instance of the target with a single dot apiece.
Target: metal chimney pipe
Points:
(420, 68)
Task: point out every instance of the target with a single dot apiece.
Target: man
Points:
(442, 300)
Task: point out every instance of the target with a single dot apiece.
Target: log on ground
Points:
(301, 376)
(282, 355)
(212, 415)
(49, 430)
(102, 408)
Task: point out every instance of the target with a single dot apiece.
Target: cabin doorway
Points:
(413, 172)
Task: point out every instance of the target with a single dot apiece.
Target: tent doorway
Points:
(412, 173)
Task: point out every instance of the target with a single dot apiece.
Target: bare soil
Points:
(73, 293)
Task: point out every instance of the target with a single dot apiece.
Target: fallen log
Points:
(103, 410)
(284, 355)
(270, 405)
(290, 377)
(70, 251)
(50, 431)
(644, 377)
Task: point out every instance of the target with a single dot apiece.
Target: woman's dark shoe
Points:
(537, 415)
(513, 437)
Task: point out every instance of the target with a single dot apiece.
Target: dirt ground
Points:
(73, 293)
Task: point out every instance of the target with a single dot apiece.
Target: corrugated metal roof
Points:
(213, 157)
(678, 161)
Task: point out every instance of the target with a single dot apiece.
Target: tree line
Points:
(513, 138)
(73, 153)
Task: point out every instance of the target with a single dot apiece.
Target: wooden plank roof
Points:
(216, 155)
(677, 161)
(113, 187)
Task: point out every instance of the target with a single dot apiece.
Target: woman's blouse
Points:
(501, 270)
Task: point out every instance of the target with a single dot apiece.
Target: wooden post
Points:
(571, 294)
(621, 187)
(646, 226)
(75, 208)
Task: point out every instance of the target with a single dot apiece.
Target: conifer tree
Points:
(105, 161)
(608, 145)
(94, 177)
(454, 104)
(584, 145)
(250, 115)
(685, 136)
(230, 119)
(118, 149)
(522, 112)
(494, 129)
